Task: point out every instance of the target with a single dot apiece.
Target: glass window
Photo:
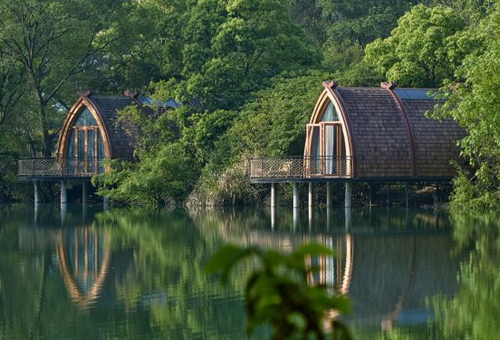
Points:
(86, 119)
(330, 114)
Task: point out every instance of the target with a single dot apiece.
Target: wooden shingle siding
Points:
(379, 133)
(387, 133)
(435, 141)
(109, 106)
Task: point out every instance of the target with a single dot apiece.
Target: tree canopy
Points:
(246, 72)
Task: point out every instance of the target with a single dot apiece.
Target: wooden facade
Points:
(102, 126)
(384, 131)
(370, 134)
(91, 133)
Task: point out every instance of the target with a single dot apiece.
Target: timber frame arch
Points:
(339, 160)
(73, 115)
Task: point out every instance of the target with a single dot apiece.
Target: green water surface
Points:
(85, 273)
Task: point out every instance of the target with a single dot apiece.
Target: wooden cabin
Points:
(369, 134)
(91, 133)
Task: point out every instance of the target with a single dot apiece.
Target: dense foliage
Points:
(247, 74)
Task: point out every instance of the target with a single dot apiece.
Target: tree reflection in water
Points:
(473, 313)
(151, 281)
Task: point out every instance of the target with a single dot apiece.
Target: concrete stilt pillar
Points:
(273, 195)
(37, 212)
(348, 219)
(273, 217)
(329, 201)
(85, 192)
(348, 194)
(36, 191)
(328, 217)
(310, 195)
(296, 200)
(105, 203)
(64, 212)
(84, 212)
(310, 216)
(296, 217)
(64, 193)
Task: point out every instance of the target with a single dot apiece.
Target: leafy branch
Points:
(280, 292)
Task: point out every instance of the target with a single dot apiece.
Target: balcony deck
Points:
(52, 169)
(299, 169)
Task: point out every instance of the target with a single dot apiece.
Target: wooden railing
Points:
(300, 167)
(53, 167)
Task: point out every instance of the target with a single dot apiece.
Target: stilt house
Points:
(369, 134)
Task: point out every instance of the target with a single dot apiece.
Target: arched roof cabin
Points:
(368, 134)
(91, 130)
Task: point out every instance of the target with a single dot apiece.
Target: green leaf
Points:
(224, 259)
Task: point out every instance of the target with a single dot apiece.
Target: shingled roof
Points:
(109, 106)
(104, 109)
(387, 134)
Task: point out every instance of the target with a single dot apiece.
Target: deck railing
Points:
(300, 167)
(53, 167)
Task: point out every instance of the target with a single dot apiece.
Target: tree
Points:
(474, 102)
(160, 178)
(272, 124)
(472, 312)
(52, 41)
(418, 51)
(231, 48)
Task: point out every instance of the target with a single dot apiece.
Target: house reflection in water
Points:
(84, 260)
(80, 251)
(388, 272)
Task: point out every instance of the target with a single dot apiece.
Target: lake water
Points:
(83, 273)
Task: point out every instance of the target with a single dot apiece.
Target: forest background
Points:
(247, 73)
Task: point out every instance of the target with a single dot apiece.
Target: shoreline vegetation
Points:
(247, 74)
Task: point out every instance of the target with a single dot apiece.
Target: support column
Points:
(310, 196)
(85, 192)
(329, 201)
(296, 200)
(64, 212)
(348, 219)
(328, 217)
(273, 217)
(84, 212)
(37, 212)
(348, 194)
(296, 217)
(105, 202)
(36, 191)
(64, 194)
(273, 195)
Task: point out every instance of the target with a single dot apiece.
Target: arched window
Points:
(326, 144)
(86, 146)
